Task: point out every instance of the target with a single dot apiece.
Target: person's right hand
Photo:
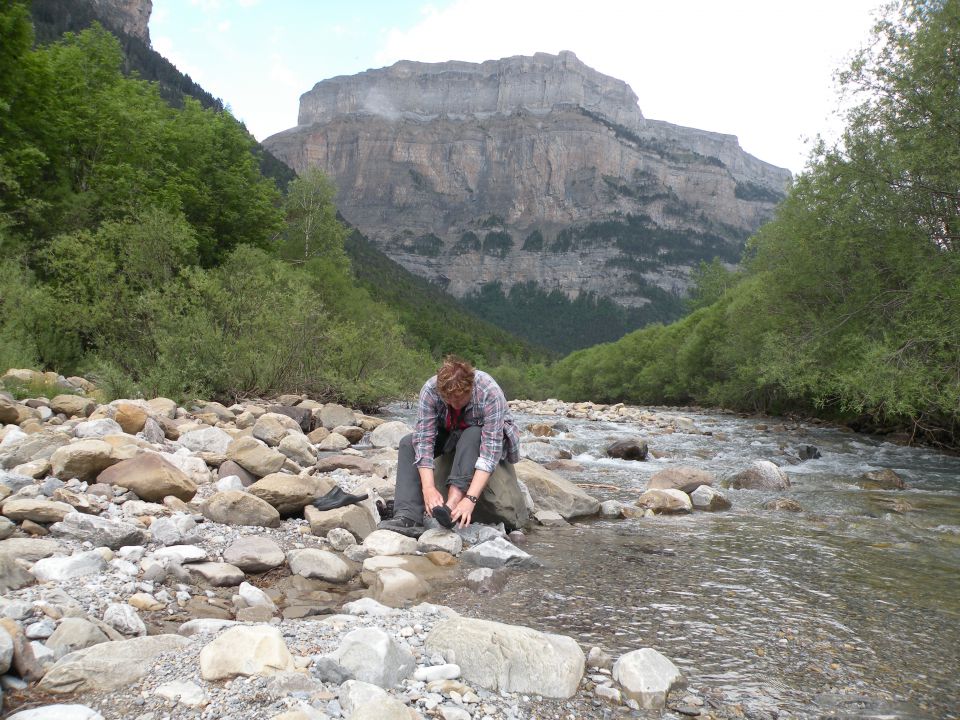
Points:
(431, 499)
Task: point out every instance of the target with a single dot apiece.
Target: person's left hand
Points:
(463, 512)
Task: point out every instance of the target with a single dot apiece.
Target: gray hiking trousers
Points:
(455, 456)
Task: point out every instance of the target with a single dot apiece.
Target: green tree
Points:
(312, 229)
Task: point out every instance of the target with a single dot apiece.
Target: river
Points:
(848, 609)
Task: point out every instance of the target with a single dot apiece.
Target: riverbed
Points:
(847, 609)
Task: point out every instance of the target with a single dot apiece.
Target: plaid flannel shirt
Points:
(487, 408)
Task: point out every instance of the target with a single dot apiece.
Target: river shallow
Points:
(849, 609)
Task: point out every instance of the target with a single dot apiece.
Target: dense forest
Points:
(847, 304)
(140, 243)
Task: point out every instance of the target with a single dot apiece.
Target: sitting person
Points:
(457, 466)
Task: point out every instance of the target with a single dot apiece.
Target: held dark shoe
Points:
(441, 513)
(402, 525)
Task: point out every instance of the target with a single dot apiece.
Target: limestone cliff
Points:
(528, 168)
(129, 16)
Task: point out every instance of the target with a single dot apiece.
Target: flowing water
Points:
(848, 609)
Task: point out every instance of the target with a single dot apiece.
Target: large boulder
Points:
(209, 440)
(885, 479)
(255, 457)
(39, 510)
(665, 501)
(706, 498)
(38, 446)
(647, 677)
(131, 415)
(74, 634)
(72, 405)
(759, 475)
(389, 434)
(632, 449)
(109, 666)
(372, 656)
(497, 553)
(682, 478)
(298, 448)
(234, 507)
(552, 492)
(272, 427)
(510, 658)
(300, 414)
(254, 554)
(100, 531)
(151, 477)
(332, 415)
(256, 650)
(321, 564)
(84, 460)
(354, 518)
(289, 494)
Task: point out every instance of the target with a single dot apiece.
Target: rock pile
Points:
(157, 560)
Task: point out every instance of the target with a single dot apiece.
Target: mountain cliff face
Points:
(529, 169)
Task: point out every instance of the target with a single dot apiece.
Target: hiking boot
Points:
(402, 525)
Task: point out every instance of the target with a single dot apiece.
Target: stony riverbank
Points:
(162, 561)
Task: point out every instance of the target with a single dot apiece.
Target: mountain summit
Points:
(529, 169)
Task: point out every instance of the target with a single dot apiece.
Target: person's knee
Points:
(472, 435)
(406, 441)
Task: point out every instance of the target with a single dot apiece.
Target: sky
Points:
(758, 69)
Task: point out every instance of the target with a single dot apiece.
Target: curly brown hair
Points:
(455, 377)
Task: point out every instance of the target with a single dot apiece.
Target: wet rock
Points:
(372, 656)
(647, 677)
(486, 580)
(151, 477)
(783, 505)
(611, 509)
(510, 658)
(322, 564)
(240, 508)
(541, 430)
(397, 587)
(498, 553)
(256, 650)
(759, 475)
(541, 452)
(254, 554)
(706, 498)
(549, 518)
(665, 501)
(885, 479)
(632, 449)
(100, 531)
(549, 491)
(356, 519)
(389, 434)
(682, 478)
(114, 665)
(808, 452)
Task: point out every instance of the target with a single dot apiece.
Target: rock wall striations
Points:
(528, 168)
